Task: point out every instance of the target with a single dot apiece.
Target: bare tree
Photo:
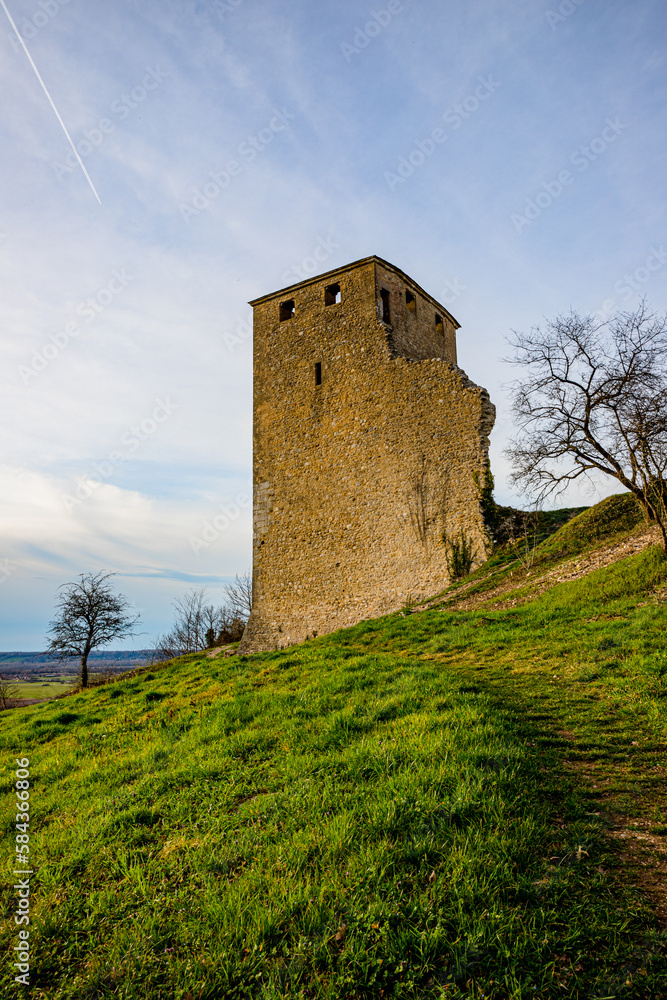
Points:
(88, 615)
(8, 692)
(193, 619)
(593, 396)
(239, 596)
(198, 626)
(521, 529)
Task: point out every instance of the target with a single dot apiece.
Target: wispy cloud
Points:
(313, 197)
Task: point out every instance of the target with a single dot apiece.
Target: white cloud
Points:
(162, 335)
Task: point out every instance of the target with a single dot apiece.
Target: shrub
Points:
(460, 555)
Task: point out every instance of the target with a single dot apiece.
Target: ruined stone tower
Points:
(369, 444)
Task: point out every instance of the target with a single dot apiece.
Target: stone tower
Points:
(369, 445)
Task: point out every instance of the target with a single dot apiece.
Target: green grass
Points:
(558, 539)
(606, 521)
(391, 811)
(41, 689)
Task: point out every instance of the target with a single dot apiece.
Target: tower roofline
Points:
(349, 267)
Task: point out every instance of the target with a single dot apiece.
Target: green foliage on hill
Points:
(390, 811)
(608, 519)
(546, 538)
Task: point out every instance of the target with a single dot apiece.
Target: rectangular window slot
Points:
(410, 302)
(439, 325)
(332, 295)
(286, 310)
(384, 295)
(318, 373)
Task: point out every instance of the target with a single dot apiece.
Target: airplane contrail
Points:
(50, 99)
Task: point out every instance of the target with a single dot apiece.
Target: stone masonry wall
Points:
(357, 478)
(413, 331)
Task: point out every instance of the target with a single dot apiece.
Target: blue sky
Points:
(509, 156)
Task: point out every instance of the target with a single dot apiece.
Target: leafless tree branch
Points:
(198, 626)
(593, 396)
(239, 595)
(88, 615)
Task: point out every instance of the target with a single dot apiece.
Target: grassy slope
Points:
(390, 811)
(612, 520)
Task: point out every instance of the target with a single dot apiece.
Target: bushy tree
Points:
(591, 397)
(88, 615)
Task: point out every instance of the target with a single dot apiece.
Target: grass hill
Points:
(463, 800)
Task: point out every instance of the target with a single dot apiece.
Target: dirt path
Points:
(22, 702)
(643, 854)
(641, 849)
